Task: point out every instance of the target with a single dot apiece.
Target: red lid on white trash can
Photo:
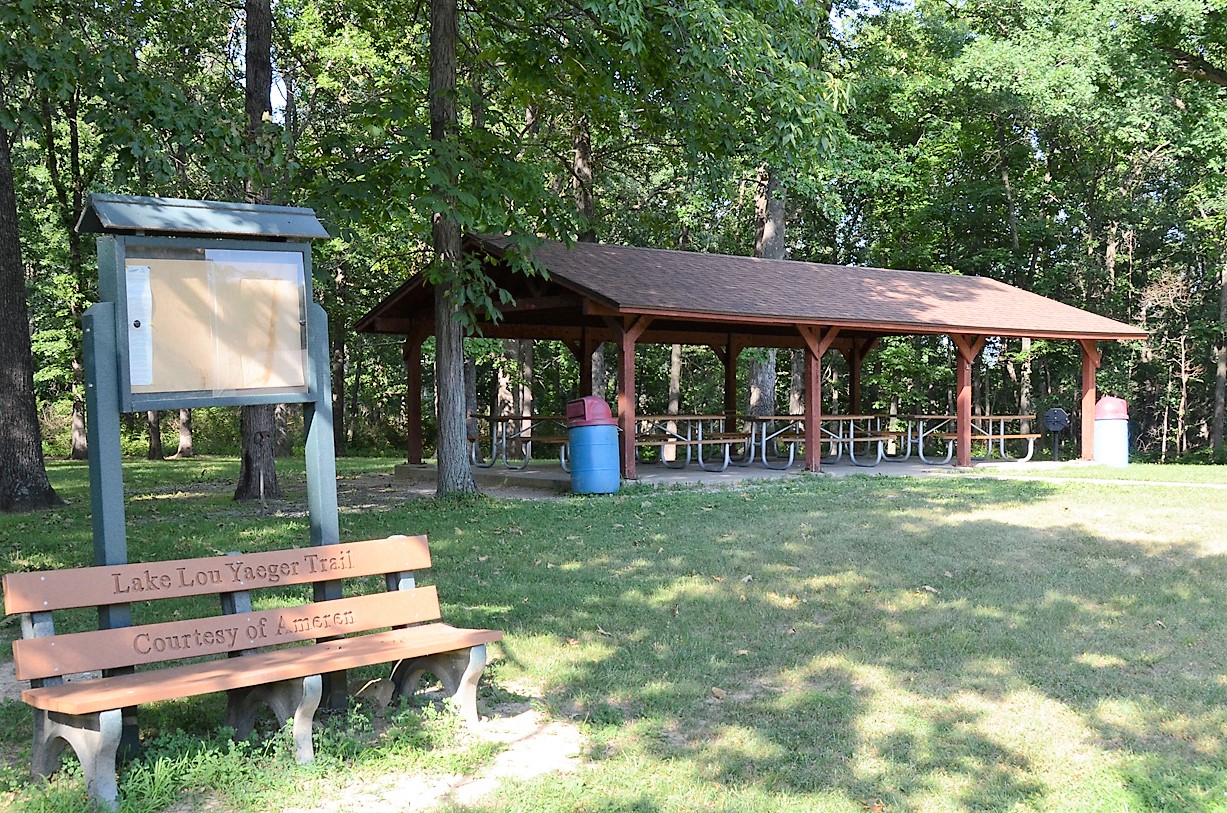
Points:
(1111, 408)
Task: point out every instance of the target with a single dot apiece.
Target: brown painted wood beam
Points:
(631, 329)
(541, 303)
(854, 352)
(412, 353)
(817, 342)
(728, 356)
(968, 348)
(1091, 359)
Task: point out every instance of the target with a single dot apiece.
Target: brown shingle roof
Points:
(729, 288)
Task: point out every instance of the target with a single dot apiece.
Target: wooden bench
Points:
(275, 656)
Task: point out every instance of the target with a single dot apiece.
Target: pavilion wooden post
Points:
(412, 352)
(1091, 358)
(968, 348)
(816, 343)
(855, 356)
(728, 356)
(629, 329)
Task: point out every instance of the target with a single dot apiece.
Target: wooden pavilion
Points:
(596, 293)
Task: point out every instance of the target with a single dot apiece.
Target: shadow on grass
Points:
(895, 640)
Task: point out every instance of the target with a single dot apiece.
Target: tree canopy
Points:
(1074, 149)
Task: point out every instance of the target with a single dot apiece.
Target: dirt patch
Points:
(533, 746)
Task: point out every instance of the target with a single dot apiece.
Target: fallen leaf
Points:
(718, 693)
(717, 578)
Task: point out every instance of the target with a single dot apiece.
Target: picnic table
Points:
(691, 432)
(992, 430)
(839, 433)
(505, 431)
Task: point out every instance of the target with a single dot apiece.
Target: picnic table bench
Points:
(274, 656)
(686, 432)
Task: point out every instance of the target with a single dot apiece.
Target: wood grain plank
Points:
(87, 696)
(79, 652)
(121, 584)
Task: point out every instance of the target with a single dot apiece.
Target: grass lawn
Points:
(813, 644)
(1134, 472)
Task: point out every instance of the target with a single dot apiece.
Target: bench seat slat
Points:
(187, 680)
(79, 652)
(120, 584)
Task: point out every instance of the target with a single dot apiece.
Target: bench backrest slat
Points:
(120, 584)
(175, 640)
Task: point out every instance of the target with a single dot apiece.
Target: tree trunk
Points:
(257, 469)
(1182, 413)
(257, 473)
(762, 379)
(600, 373)
(581, 179)
(23, 473)
(769, 244)
(796, 389)
(1220, 359)
(79, 448)
(283, 444)
(455, 477)
(1026, 405)
(675, 397)
(186, 448)
(153, 421)
(340, 433)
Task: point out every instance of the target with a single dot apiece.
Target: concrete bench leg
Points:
(95, 740)
(458, 671)
(288, 699)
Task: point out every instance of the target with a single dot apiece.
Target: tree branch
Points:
(1196, 66)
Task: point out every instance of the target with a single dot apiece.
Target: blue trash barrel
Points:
(592, 435)
(1112, 431)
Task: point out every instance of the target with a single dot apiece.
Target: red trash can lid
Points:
(589, 411)
(1110, 408)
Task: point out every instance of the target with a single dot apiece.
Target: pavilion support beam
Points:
(412, 353)
(817, 342)
(968, 348)
(1091, 358)
(855, 354)
(729, 355)
(630, 329)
